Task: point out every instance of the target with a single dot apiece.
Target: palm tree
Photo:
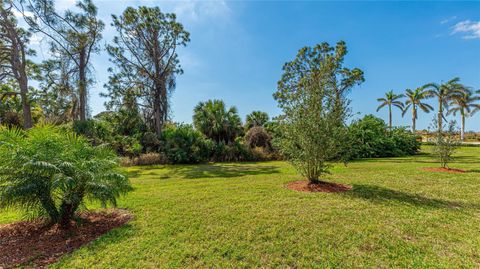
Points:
(256, 118)
(216, 122)
(443, 92)
(414, 100)
(464, 102)
(391, 99)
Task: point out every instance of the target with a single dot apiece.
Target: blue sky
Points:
(237, 49)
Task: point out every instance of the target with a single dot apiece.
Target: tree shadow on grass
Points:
(222, 170)
(423, 157)
(376, 194)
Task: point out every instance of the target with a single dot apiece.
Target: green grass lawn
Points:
(241, 216)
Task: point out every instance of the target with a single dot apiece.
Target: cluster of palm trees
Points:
(452, 96)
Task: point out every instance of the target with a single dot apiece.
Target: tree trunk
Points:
(462, 131)
(82, 86)
(390, 116)
(414, 117)
(440, 116)
(27, 114)
(17, 60)
(157, 112)
(67, 212)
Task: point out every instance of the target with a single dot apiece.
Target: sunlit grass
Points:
(241, 216)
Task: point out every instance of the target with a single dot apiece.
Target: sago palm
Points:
(464, 102)
(391, 99)
(414, 101)
(50, 172)
(443, 92)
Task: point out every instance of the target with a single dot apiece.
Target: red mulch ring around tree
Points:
(444, 170)
(32, 243)
(322, 186)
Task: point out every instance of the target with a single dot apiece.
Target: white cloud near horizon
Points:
(449, 19)
(469, 29)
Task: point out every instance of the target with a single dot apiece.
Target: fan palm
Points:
(216, 122)
(465, 102)
(443, 92)
(256, 118)
(415, 100)
(390, 99)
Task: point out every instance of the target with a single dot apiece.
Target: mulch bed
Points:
(322, 186)
(32, 243)
(444, 170)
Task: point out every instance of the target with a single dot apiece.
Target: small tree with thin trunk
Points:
(391, 99)
(314, 110)
(445, 144)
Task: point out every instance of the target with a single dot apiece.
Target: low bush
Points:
(258, 137)
(150, 142)
(233, 152)
(370, 137)
(183, 144)
(49, 171)
(145, 159)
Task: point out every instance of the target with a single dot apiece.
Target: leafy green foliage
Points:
(215, 121)
(256, 118)
(233, 152)
(52, 171)
(183, 144)
(312, 94)
(445, 144)
(370, 137)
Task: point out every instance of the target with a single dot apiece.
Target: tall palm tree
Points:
(466, 103)
(390, 99)
(414, 100)
(443, 92)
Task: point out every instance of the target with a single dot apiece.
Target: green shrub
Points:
(446, 144)
(97, 132)
(371, 138)
(50, 171)
(183, 144)
(145, 159)
(233, 152)
(150, 142)
(258, 137)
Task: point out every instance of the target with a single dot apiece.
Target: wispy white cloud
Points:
(449, 19)
(196, 11)
(468, 29)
